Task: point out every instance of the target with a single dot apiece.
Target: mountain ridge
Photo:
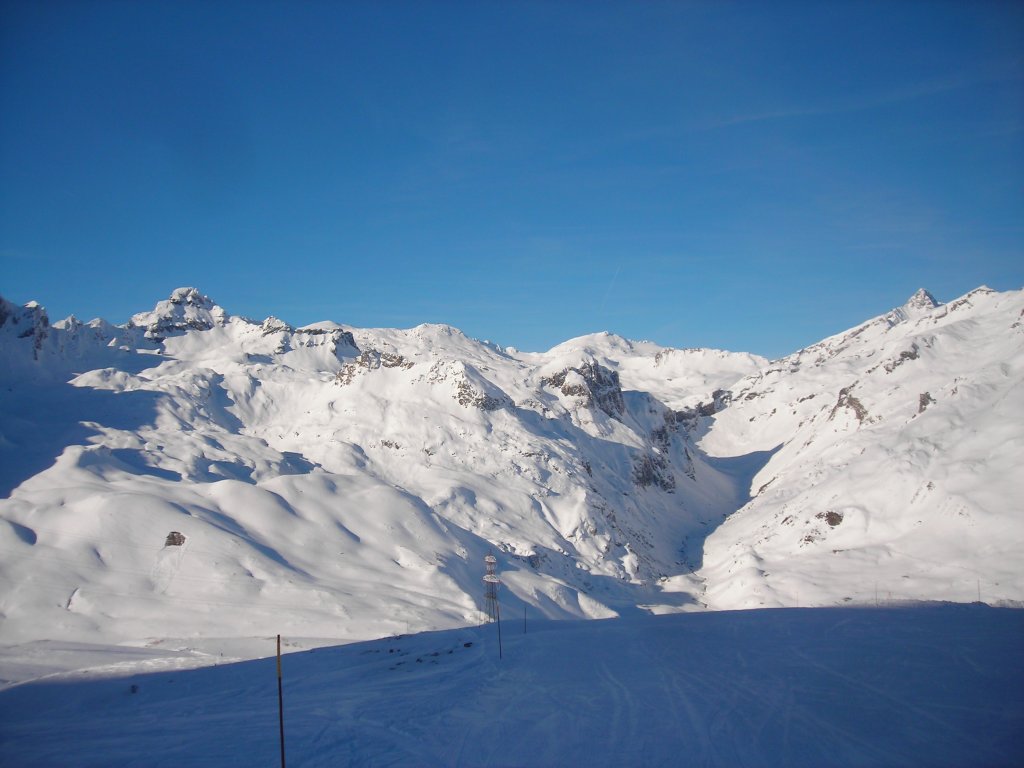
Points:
(348, 481)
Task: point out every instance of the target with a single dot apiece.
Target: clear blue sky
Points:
(751, 176)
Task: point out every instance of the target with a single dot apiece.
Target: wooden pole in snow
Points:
(280, 699)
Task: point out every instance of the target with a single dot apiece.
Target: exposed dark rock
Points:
(660, 435)
(653, 469)
(472, 389)
(690, 469)
(393, 360)
(924, 401)
(830, 517)
(190, 296)
(273, 325)
(468, 395)
(846, 400)
(911, 354)
(186, 310)
(370, 360)
(600, 387)
(687, 417)
(28, 322)
(174, 539)
(312, 337)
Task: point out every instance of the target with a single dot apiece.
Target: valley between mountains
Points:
(194, 480)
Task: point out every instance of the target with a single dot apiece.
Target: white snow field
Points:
(928, 685)
(176, 490)
(896, 465)
(333, 483)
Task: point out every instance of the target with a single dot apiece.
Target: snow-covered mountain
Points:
(895, 471)
(334, 482)
(193, 475)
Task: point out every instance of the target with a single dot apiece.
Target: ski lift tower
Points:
(491, 582)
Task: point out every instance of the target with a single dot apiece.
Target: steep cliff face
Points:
(591, 384)
(29, 323)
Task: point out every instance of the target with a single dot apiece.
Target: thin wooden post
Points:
(280, 699)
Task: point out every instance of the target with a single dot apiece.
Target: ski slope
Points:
(936, 685)
(177, 490)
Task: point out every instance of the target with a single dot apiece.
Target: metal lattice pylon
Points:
(491, 582)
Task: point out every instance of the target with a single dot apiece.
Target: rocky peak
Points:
(593, 384)
(922, 300)
(192, 297)
(917, 305)
(29, 321)
(273, 325)
(186, 309)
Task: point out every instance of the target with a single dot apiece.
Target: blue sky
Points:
(750, 176)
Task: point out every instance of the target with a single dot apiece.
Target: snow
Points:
(909, 432)
(330, 482)
(342, 485)
(937, 685)
(680, 378)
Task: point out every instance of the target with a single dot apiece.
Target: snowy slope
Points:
(938, 685)
(680, 378)
(334, 483)
(331, 482)
(896, 466)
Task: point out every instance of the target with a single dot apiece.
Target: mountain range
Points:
(195, 479)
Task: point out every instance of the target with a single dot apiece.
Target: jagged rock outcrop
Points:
(592, 385)
(469, 387)
(340, 341)
(27, 322)
(653, 469)
(186, 309)
(847, 400)
(918, 304)
(273, 325)
(371, 360)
